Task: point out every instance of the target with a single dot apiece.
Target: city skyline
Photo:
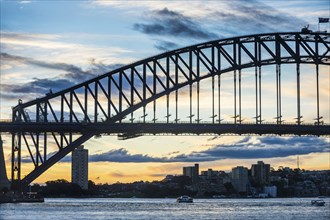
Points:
(39, 51)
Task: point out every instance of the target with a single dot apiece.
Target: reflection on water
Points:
(293, 208)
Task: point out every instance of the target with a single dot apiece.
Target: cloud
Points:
(265, 147)
(39, 46)
(255, 16)
(171, 23)
(174, 152)
(39, 86)
(71, 76)
(247, 148)
(165, 45)
(117, 174)
(227, 18)
(100, 67)
(73, 71)
(24, 2)
(122, 155)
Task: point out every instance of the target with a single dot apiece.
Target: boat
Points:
(184, 199)
(318, 202)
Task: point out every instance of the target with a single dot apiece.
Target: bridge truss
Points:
(129, 101)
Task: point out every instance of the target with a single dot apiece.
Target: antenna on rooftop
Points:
(298, 162)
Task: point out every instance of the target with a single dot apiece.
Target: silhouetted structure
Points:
(192, 172)
(125, 100)
(80, 167)
(4, 182)
(260, 173)
(240, 178)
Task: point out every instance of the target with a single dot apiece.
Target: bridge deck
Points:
(135, 129)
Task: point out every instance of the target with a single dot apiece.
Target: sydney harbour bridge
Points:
(187, 91)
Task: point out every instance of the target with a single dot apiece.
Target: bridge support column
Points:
(258, 94)
(317, 95)
(298, 95)
(17, 116)
(4, 182)
(16, 163)
(278, 94)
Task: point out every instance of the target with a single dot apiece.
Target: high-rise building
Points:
(239, 177)
(4, 182)
(192, 172)
(79, 173)
(260, 173)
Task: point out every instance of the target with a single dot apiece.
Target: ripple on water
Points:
(104, 208)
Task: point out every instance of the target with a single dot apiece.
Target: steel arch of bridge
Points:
(70, 117)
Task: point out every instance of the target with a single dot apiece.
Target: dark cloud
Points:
(72, 72)
(244, 17)
(267, 147)
(37, 87)
(174, 152)
(213, 138)
(254, 17)
(122, 155)
(117, 174)
(171, 23)
(27, 158)
(40, 86)
(165, 45)
(247, 148)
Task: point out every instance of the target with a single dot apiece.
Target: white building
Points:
(239, 177)
(79, 173)
(271, 191)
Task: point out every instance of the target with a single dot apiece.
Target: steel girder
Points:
(112, 97)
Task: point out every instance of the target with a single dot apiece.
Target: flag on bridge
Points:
(323, 20)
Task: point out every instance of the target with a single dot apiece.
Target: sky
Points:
(56, 44)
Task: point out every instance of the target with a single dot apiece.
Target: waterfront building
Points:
(209, 174)
(192, 172)
(271, 191)
(240, 181)
(260, 173)
(79, 173)
(214, 176)
(4, 182)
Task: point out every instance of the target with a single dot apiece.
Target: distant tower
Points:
(260, 172)
(239, 178)
(4, 182)
(192, 172)
(298, 162)
(79, 173)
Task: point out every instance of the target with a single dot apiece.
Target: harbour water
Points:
(136, 208)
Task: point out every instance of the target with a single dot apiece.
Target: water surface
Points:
(135, 208)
